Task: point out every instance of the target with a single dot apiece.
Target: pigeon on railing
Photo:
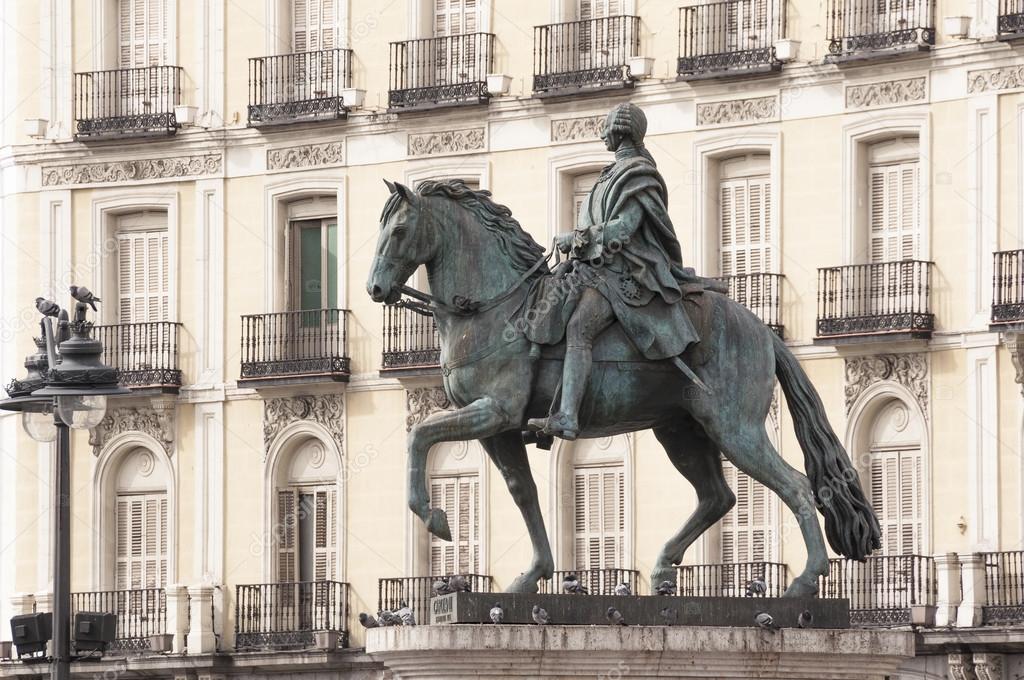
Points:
(615, 616)
(442, 586)
(756, 587)
(540, 616)
(388, 618)
(666, 588)
(459, 583)
(766, 621)
(572, 585)
(805, 619)
(497, 613)
(623, 590)
(405, 615)
(367, 620)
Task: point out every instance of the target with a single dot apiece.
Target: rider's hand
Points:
(564, 242)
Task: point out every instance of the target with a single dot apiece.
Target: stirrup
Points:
(554, 426)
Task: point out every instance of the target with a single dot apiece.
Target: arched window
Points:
(894, 225)
(140, 523)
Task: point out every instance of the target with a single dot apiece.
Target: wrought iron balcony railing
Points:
(146, 353)
(1008, 287)
(875, 299)
(882, 589)
(1011, 19)
(862, 28)
(596, 581)
(411, 341)
(286, 615)
(729, 36)
(304, 86)
(761, 294)
(140, 613)
(1004, 588)
(731, 579)
(127, 101)
(308, 344)
(446, 71)
(416, 591)
(584, 54)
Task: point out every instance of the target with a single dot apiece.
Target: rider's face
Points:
(611, 138)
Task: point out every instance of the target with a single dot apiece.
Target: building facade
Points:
(212, 170)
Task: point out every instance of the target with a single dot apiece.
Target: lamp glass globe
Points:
(39, 426)
(82, 412)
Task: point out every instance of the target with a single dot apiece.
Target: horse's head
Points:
(401, 246)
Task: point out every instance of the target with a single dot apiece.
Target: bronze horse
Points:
(481, 264)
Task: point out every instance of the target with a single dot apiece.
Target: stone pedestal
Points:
(619, 652)
(972, 603)
(201, 637)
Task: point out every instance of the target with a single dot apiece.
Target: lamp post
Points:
(66, 387)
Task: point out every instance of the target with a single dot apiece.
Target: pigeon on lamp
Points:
(623, 590)
(404, 614)
(367, 620)
(765, 620)
(666, 588)
(458, 583)
(47, 307)
(615, 616)
(442, 586)
(540, 616)
(805, 619)
(668, 615)
(756, 587)
(84, 295)
(497, 613)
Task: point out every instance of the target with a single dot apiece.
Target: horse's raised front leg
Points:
(509, 455)
(482, 418)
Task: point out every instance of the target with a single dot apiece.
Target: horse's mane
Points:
(519, 246)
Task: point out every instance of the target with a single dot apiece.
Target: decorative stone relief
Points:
(886, 93)
(961, 667)
(1015, 345)
(1006, 78)
(447, 142)
(988, 666)
(158, 423)
(909, 370)
(420, 402)
(327, 410)
(306, 156)
(574, 129)
(133, 171)
(738, 111)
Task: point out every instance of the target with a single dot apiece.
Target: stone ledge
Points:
(555, 652)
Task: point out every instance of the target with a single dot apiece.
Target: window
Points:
(459, 497)
(312, 271)
(142, 268)
(307, 534)
(748, 530)
(893, 203)
(141, 551)
(744, 223)
(599, 517)
(455, 17)
(142, 33)
(313, 25)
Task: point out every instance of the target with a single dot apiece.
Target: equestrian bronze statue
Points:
(619, 338)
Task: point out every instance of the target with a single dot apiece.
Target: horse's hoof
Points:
(437, 524)
(524, 583)
(801, 587)
(662, 574)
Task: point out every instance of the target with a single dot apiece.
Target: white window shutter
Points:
(287, 536)
(748, 529)
(744, 227)
(313, 25)
(459, 497)
(896, 499)
(325, 549)
(141, 550)
(455, 17)
(893, 212)
(142, 276)
(142, 32)
(599, 517)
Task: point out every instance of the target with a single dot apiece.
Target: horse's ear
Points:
(390, 186)
(404, 191)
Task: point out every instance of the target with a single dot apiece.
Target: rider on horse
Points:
(627, 266)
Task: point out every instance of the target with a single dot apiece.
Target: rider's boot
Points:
(575, 373)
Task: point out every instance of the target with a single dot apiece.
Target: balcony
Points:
(146, 354)
(411, 343)
(416, 591)
(291, 88)
(288, 615)
(886, 301)
(140, 614)
(862, 29)
(1011, 19)
(596, 581)
(1004, 588)
(127, 102)
(584, 55)
(730, 37)
(761, 294)
(731, 579)
(882, 590)
(1008, 290)
(293, 347)
(434, 72)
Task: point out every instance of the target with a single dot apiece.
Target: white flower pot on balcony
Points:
(786, 49)
(36, 127)
(641, 67)
(498, 84)
(161, 642)
(326, 640)
(185, 115)
(5, 650)
(922, 615)
(956, 27)
(352, 98)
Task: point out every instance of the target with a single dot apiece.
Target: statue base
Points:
(618, 652)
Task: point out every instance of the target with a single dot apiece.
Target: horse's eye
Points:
(398, 231)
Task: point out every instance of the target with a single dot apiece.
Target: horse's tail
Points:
(850, 524)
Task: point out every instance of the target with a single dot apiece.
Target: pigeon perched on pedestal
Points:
(756, 587)
(540, 616)
(615, 616)
(367, 620)
(387, 618)
(497, 613)
(442, 586)
(404, 614)
(666, 588)
(572, 585)
(766, 621)
(623, 590)
(47, 307)
(458, 583)
(805, 619)
(84, 295)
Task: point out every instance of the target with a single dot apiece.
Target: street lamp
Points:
(67, 386)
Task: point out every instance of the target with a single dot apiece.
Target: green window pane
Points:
(332, 265)
(310, 264)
